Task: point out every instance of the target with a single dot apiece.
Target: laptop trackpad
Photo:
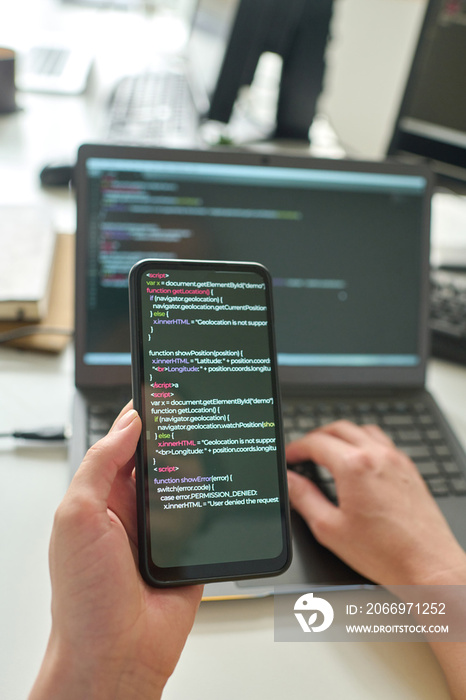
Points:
(312, 565)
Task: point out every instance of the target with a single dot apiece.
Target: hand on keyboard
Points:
(386, 524)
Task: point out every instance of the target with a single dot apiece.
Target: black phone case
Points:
(225, 571)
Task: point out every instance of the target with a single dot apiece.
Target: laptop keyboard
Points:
(411, 424)
(153, 108)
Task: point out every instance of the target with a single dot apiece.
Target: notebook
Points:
(347, 245)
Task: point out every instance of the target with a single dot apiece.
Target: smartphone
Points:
(210, 466)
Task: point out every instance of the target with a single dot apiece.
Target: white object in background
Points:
(55, 67)
(27, 242)
(448, 230)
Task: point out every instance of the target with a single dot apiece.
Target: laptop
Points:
(430, 125)
(347, 245)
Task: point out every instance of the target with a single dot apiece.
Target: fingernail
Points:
(126, 419)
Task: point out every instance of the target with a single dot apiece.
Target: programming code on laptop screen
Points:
(340, 245)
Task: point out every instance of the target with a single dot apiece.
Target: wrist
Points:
(66, 674)
(450, 570)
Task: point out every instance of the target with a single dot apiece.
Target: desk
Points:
(231, 652)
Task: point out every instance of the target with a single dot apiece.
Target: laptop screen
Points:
(431, 121)
(346, 245)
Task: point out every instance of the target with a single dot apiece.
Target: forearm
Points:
(452, 655)
(452, 659)
(450, 587)
(64, 676)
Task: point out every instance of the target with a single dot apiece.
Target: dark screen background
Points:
(345, 264)
(438, 86)
(219, 521)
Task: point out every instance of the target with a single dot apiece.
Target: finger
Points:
(98, 471)
(123, 412)
(322, 448)
(311, 504)
(349, 432)
(378, 434)
(341, 431)
(122, 502)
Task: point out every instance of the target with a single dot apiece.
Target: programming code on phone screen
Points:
(210, 417)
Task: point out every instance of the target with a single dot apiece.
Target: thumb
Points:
(103, 461)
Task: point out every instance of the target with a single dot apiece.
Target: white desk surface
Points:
(231, 652)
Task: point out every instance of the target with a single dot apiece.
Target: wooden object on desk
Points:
(27, 245)
(60, 313)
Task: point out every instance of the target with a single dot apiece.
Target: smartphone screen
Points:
(211, 473)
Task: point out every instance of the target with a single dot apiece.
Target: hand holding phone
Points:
(210, 469)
